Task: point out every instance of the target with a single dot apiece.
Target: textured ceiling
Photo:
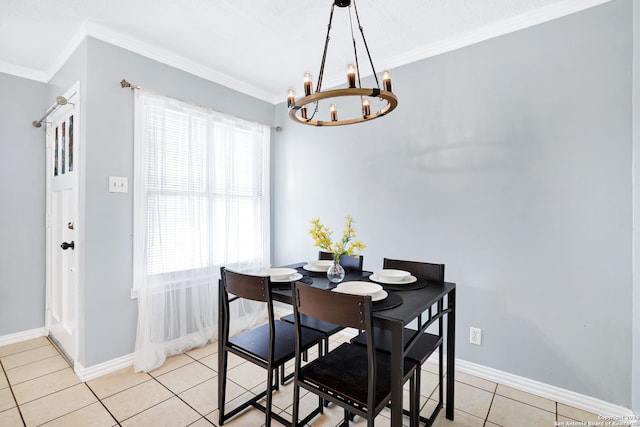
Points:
(260, 47)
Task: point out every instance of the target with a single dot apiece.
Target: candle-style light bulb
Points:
(303, 112)
(307, 84)
(351, 75)
(386, 81)
(334, 112)
(366, 109)
(291, 98)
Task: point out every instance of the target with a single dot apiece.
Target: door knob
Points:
(66, 245)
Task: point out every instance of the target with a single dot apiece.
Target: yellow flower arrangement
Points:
(322, 238)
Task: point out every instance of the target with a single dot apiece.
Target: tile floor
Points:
(37, 387)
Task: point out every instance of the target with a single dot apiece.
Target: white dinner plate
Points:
(392, 275)
(281, 273)
(377, 296)
(315, 269)
(410, 279)
(291, 278)
(359, 288)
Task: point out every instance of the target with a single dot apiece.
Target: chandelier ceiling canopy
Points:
(357, 104)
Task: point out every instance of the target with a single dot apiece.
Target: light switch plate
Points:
(118, 184)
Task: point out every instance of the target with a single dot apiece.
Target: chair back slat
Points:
(255, 288)
(346, 261)
(341, 309)
(421, 270)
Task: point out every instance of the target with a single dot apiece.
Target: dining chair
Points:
(269, 345)
(351, 262)
(328, 329)
(423, 344)
(352, 376)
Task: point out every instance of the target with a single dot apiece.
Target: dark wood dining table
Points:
(407, 306)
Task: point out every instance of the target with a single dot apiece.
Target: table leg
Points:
(396, 374)
(451, 353)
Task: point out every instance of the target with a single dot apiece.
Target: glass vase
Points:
(335, 273)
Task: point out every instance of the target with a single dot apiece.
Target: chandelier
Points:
(307, 110)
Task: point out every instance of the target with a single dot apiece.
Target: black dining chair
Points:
(352, 376)
(423, 344)
(269, 345)
(347, 261)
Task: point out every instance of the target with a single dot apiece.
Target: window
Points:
(201, 192)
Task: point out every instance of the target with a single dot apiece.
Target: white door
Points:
(62, 224)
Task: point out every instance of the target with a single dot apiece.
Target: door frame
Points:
(73, 97)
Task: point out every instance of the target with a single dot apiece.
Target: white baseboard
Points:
(95, 371)
(22, 336)
(556, 394)
(547, 391)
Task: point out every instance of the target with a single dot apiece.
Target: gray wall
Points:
(22, 175)
(635, 378)
(509, 161)
(110, 314)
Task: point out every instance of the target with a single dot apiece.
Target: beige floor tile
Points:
(57, 404)
(212, 361)
(202, 422)
(28, 356)
(21, 346)
(511, 413)
(472, 400)
(90, 416)
(576, 414)
(115, 382)
(44, 385)
(528, 398)
(10, 418)
(173, 362)
(204, 396)
(6, 399)
(36, 369)
(428, 383)
(136, 399)
(170, 413)
(460, 419)
(475, 381)
(206, 350)
(4, 383)
(248, 375)
(250, 417)
(185, 377)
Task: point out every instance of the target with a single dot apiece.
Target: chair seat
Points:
(256, 341)
(344, 372)
(315, 324)
(419, 353)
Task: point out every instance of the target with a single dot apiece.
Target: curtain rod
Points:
(125, 84)
(60, 101)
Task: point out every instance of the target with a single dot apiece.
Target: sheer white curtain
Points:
(201, 201)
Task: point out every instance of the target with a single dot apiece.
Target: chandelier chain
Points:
(326, 47)
(366, 47)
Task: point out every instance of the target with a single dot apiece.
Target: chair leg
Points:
(296, 405)
(415, 413)
(222, 383)
(270, 378)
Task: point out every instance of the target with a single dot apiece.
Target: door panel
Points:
(62, 227)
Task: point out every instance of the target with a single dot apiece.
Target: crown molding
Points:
(167, 57)
(172, 59)
(24, 72)
(513, 24)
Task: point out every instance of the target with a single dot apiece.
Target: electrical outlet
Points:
(475, 335)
